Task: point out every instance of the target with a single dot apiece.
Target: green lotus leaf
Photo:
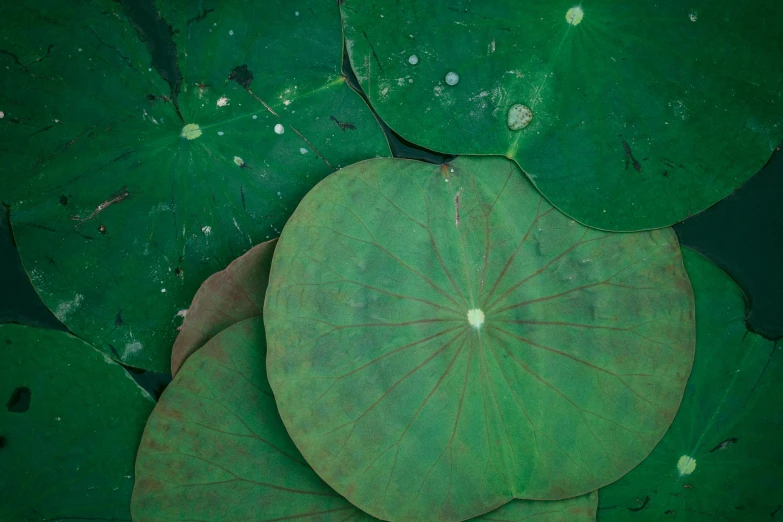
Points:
(442, 340)
(120, 206)
(626, 116)
(216, 449)
(226, 298)
(69, 428)
(721, 458)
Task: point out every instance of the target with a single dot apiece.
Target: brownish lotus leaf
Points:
(225, 298)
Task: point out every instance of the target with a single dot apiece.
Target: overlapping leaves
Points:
(215, 447)
(720, 458)
(643, 113)
(126, 190)
(69, 427)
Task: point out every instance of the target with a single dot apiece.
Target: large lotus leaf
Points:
(70, 424)
(216, 449)
(120, 208)
(442, 340)
(642, 112)
(721, 459)
(226, 298)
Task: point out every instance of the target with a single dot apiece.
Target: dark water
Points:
(743, 234)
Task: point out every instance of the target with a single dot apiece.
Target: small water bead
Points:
(413, 59)
(452, 78)
(279, 129)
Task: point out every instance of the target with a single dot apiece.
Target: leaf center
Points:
(476, 318)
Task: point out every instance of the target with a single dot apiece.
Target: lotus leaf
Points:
(134, 174)
(627, 116)
(216, 449)
(721, 458)
(442, 340)
(69, 428)
(226, 298)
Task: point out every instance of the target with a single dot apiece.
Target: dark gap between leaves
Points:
(743, 234)
(153, 383)
(400, 147)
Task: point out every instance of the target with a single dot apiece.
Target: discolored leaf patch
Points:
(224, 299)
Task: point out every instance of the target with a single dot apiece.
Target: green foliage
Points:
(216, 449)
(721, 458)
(126, 190)
(446, 342)
(643, 113)
(442, 340)
(69, 425)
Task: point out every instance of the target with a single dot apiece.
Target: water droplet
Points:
(296, 13)
(303, 150)
(255, 116)
(239, 161)
(279, 129)
(413, 59)
(575, 15)
(519, 116)
(220, 133)
(231, 32)
(452, 78)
